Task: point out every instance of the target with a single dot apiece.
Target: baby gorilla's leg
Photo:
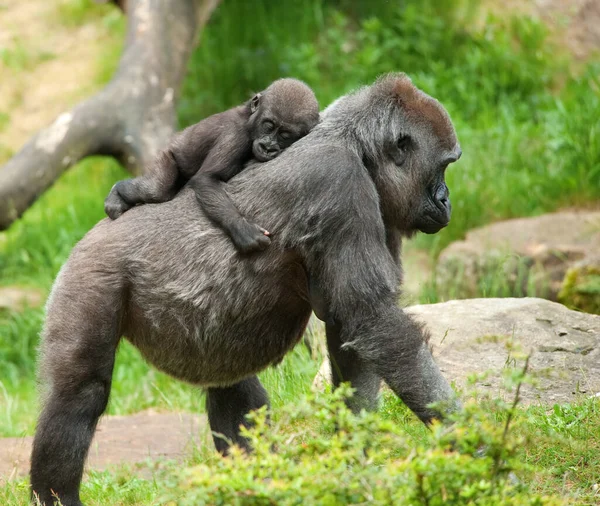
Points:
(159, 184)
(115, 204)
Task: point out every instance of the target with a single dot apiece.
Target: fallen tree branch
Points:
(131, 119)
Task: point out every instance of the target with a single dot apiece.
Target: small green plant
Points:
(77, 12)
(4, 120)
(326, 455)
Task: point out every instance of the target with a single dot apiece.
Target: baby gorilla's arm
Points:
(224, 161)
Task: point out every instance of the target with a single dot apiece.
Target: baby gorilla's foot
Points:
(249, 237)
(114, 205)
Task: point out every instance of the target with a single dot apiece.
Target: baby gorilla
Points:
(215, 149)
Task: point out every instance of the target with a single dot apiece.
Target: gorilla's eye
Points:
(285, 135)
(403, 143)
(268, 126)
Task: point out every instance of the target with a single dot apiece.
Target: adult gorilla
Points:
(337, 204)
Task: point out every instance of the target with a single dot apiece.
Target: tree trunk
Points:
(131, 119)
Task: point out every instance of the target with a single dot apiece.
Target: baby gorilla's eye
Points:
(285, 135)
(268, 126)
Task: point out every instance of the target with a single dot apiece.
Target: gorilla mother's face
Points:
(435, 208)
(419, 143)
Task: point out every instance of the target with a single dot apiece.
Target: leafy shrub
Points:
(333, 457)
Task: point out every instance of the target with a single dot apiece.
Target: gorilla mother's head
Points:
(406, 140)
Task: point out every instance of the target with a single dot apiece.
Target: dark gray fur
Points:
(337, 203)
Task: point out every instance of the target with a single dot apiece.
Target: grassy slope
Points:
(530, 146)
(556, 452)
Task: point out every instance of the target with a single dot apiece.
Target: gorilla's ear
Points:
(400, 151)
(254, 103)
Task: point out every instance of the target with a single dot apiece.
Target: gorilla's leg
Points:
(227, 408)
(347, 366)
(79, 374)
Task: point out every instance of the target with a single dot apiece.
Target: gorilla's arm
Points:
(225, 160)
(369, 337)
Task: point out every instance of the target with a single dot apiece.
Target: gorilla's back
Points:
(193, 305)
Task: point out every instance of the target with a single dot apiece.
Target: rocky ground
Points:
(488, 336)
(533, 254)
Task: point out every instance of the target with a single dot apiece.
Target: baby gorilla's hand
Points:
(249, 237)
(114, 205)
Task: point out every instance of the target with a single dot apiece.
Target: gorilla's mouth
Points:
(261, 155)
(432, 226)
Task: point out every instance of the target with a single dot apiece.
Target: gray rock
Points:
(487, 335)
(519, 256)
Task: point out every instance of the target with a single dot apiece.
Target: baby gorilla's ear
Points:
(254, 103)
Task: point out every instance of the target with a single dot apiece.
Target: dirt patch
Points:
(574, 24)
(577, 22)
(50, 67)
(122, 440)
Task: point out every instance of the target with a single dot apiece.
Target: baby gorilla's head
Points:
(280, 115)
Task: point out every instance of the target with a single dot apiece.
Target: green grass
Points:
(554, 452)
(4, 120)
(530, 133)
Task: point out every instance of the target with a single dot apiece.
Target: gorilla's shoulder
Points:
(332, 153)
(328, 162)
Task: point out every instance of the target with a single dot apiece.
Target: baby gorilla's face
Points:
(272, 137)
(285, 112)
